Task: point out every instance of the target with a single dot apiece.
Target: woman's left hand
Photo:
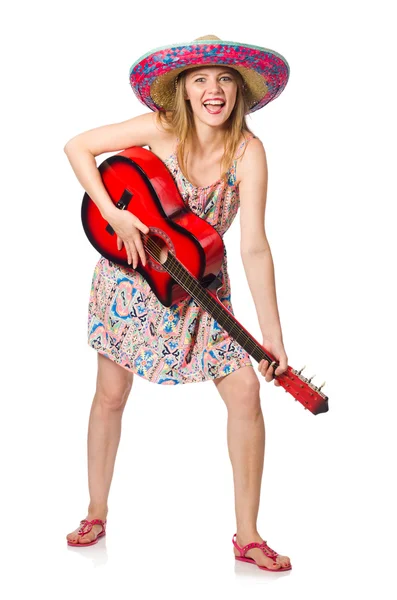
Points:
(276, 348)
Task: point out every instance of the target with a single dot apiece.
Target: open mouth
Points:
(214, 109)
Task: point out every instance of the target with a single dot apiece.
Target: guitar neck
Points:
(215, 308)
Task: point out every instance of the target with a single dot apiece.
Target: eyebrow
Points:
(222, 73)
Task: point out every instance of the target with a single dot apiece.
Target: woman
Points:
(199, 94)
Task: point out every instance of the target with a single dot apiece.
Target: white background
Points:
(327, 499)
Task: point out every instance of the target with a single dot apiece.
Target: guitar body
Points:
(135, 176)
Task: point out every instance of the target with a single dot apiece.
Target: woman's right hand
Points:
(128, 229)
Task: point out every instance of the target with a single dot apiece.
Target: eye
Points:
(223, 77)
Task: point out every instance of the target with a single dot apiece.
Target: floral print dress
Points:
(181, 343)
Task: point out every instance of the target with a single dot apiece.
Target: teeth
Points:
(214, 103)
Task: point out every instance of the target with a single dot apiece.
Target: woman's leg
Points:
(113, 386)
(246, 444)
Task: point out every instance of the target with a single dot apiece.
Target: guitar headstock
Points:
(301, 388)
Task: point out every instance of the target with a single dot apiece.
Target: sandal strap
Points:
(86, 526)
(262, 545)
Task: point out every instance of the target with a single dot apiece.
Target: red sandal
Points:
(265, 549)
(88, 524)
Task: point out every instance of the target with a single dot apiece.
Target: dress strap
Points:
(250, 136)
(176, 145)
(233, 167)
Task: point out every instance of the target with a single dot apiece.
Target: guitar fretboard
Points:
(182, 276)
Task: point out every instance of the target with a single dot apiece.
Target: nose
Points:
(214, 85)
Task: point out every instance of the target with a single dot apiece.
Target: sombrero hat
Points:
(153, 76)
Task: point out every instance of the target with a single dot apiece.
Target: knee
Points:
(113, 397)
(246, 402)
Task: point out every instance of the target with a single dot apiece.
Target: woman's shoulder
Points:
(245, 139)
(155, 123)
(252, 157)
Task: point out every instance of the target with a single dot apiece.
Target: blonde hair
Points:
(180, 122)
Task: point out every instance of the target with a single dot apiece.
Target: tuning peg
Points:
(311, 378)
(321, 386)
(299, 372)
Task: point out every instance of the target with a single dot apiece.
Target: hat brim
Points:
(264, 71)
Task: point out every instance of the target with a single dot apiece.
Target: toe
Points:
(265, 561)
(72, 537)
(90, 535)
(284, 561)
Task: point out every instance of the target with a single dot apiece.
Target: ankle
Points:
(97, 512)
(249, 533)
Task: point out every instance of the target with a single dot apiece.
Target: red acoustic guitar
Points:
(184, 252)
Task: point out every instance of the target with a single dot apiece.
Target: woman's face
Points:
(211, 84)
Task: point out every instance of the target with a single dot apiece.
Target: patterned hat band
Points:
(154, 76)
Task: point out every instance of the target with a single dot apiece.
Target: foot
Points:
(258, 555)
(91, 535)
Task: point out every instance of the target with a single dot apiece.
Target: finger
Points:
(264, 369)
(262, 366)
(128, 251)
(273, 370)
(139, 246)
(141, 226)
(276, 371)
(269, 373)
(134, 255)
(283, 366)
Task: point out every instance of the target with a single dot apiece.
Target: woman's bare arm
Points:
(254, 246)
(82, 149)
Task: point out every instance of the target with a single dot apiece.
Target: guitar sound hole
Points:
(158, 248)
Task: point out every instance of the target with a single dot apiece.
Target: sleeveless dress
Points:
(181, 343)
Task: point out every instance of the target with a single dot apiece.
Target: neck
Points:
(207, 140)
